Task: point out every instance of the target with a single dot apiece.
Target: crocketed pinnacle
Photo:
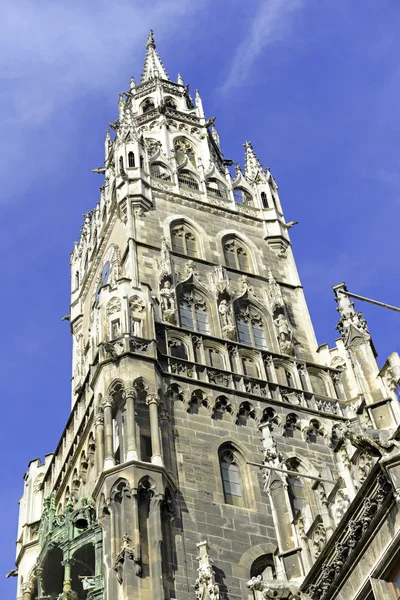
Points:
(153, 66)
(252, 165)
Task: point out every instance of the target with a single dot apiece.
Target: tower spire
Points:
(251, 163)
(153, 66)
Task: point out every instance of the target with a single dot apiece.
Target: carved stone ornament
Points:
(127, 553)
(285, 336)
(318, 540)
(167, 301)
(377, 441)
(274, 293)
(136, 304)
(205, 586)
(114, 349)
(352, 325)
(266, 589)
(113, 306)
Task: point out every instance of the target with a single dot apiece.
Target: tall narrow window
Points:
(184, 241)
(231, 479)
(193, 311)
(131, 160)
(77, 280)
(121, 164)
(264, 200)
(250, 326)
(236, 256)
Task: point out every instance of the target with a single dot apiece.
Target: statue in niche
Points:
(225, 311)
(284, 334)
(226, 314)
(167, 297)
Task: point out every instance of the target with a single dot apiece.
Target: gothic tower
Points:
(195, 362)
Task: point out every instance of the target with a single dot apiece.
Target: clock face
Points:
(106, 271)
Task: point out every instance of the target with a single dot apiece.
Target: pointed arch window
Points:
(250, 367)
(215, 358)
(147, 105)
(241, 196)
(236, 255)
(184, 240)
(131, 160)
(193, 311)
(264, 199)
(250, 326)
(216, 188)
(169, 103)
(160, 171)
(121, 164)
(230, 475)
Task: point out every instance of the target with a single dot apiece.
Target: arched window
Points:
(292, 427)
(170, 103)
(241, 196)
(263, 567)
(216, 188)
(147, 105)
(178, 349)
(183, 148)
(250, 367)
(264, 200)
(318, 384)
(193, 311)
(160, 171)
(215, 358)
(121, 164)
(250, 326)
(131, 160)
(187, 181)
(230, 476)
(315, 433)
(141, 160)
(236, 256)
(77, 280)
(183, 240)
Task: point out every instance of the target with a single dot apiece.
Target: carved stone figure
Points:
(266, 589)
(167, 297)
(284, 333)
(226, 314)
(379, 440)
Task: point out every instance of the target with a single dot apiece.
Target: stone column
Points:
(108, 433)
(155, 544)
(99, 425)
(67, 563)
(28, 589)
(166, 438)
(152, 401)
(130, 396)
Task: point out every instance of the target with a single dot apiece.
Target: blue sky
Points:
(313, 84)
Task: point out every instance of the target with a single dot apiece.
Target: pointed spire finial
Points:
(153, 66)
(251, 163)
(132, 84)
(180, 79)
(150, 40)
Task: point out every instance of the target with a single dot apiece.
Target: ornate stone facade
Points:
(191, 342)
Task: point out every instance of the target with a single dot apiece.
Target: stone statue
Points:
(226, 314)
(167, 297)
(87, 582)
(282, 325)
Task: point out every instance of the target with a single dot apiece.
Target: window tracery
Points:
(147, 105)
(250, 326)
(236, 255)
(184, 148)
(159, 171)
(193, 311)
(216, 187)
(184, 240)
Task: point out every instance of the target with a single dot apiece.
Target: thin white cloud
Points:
(272, 23)
(54, 54)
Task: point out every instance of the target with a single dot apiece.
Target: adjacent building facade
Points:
(213, 451)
